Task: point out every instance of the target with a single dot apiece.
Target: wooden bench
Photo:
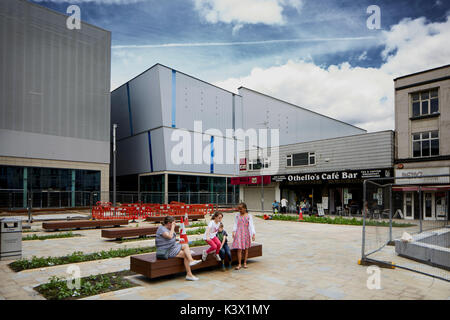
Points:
(131, 232)
(177, 218)
(56, 225)
(149, 266)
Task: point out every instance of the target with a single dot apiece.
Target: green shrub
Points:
(78, 256)
(57, 289)
(337, 220)
(51, 236)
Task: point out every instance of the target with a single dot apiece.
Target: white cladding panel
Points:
(295, 124)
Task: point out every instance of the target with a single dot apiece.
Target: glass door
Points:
(441, 206)
(408, 205)
(429, 210)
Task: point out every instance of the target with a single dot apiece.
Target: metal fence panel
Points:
(406, 224)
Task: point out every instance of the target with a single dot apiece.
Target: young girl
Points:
(210, 236)
(222, 235)
(243, 233)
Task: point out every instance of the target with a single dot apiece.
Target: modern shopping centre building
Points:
(54, 108)
(160, 104)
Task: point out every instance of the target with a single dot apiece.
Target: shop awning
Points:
(422, 188)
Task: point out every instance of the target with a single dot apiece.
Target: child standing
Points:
(210, 236)
(224, 249)
(243, 233)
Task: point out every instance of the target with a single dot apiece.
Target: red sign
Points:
(250, 180)
(243, 164)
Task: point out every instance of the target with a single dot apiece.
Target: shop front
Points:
(422, 194)
(337, 192)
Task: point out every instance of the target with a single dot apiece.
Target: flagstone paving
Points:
(300, 261)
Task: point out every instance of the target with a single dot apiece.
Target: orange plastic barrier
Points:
(135, 211)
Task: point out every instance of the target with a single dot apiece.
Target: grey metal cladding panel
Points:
(54, 80)
(42, 146)
(133, 155)
(165, 83)
(295, 124)
(361, 151)
(119, 112)
(145, 101)
(238, 112)
(203, 167)
(199, 101)
(158, 150)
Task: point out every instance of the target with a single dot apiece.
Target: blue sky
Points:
(325, 41)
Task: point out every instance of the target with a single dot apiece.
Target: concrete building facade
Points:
(422, 135)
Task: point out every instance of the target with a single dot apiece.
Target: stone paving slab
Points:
(300, 261)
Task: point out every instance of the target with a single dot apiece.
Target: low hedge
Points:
(338, 220)
(79, 256)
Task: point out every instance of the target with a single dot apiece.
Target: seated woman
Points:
(166, 239)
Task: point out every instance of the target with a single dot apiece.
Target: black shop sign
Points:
(349, 176)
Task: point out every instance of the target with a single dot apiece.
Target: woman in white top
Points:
(243, 233)
(210, 236)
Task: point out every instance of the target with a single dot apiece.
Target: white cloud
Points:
(361, 96)
(240, 12)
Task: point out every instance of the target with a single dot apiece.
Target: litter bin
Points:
(10, 239)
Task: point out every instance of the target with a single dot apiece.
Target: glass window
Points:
(434, 106)
(416, 109)
(435, 147)
(416, 149)
(300, 159)
(289, 160)
(425, 103)
(312, 158)
(425, 107)
(426, 144)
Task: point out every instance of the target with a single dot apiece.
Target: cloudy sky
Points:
(314, 53)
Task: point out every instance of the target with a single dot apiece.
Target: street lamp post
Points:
(114, 164)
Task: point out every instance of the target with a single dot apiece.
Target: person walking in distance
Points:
(284, 203)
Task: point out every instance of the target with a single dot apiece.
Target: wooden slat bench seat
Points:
(131, 232)
(56, 225)
(149, 266)
(177, 218)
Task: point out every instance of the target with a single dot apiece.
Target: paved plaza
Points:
(300, 261)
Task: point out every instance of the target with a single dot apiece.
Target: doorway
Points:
(408, 207)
